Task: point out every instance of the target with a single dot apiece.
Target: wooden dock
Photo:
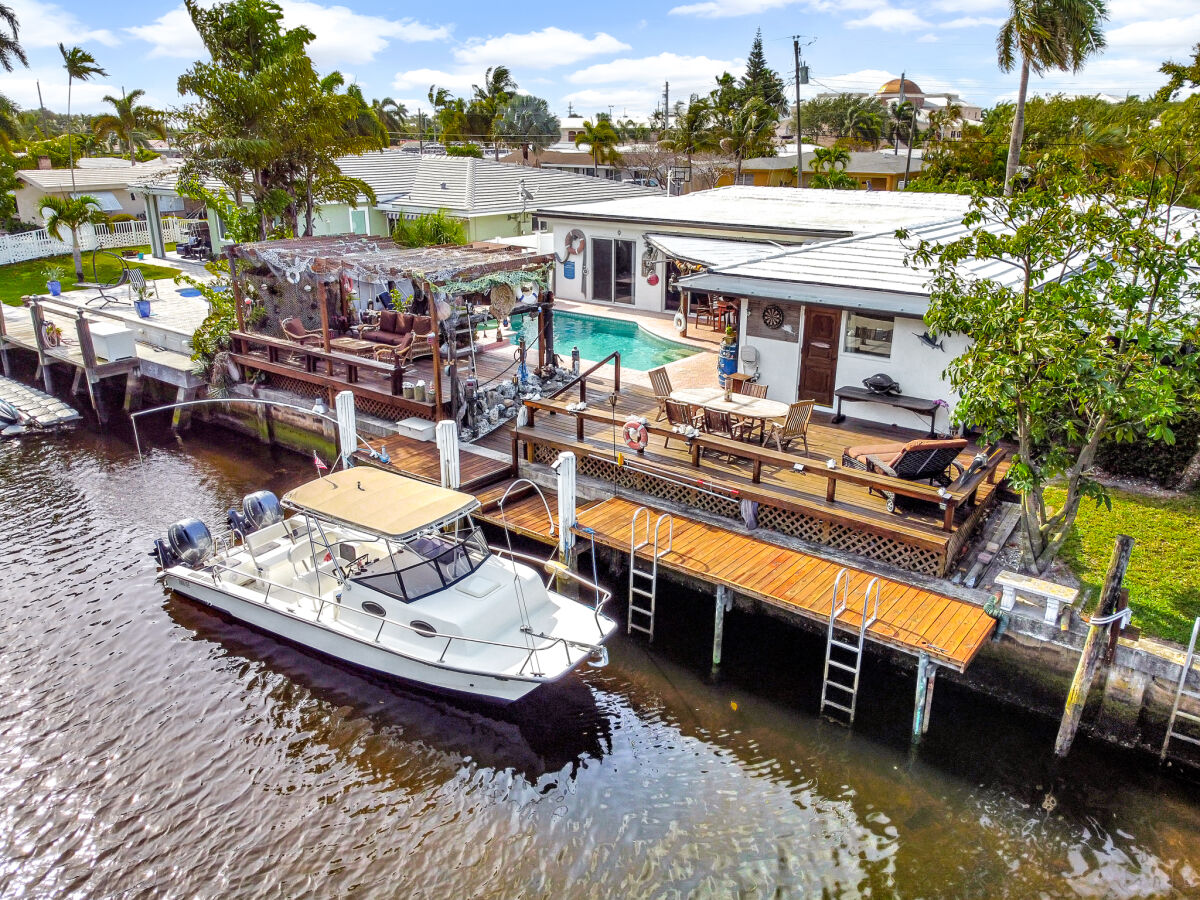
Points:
(911, 620)
(420, 460)
(42, 410)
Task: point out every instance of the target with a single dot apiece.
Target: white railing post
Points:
(447, 444)
(566, 466)
(347, 426)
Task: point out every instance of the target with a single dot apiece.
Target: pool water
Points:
(597, 337)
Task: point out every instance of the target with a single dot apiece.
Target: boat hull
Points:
(355, 651)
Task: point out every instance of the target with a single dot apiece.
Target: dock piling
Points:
(926, 673)
(724, 604)
(565, 467)
(446, 434)
(1090, 658)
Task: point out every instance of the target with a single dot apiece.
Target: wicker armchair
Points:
(931, 460)
(294, 331)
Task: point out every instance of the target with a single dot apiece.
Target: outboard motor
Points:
(188, 542)
(259, 510)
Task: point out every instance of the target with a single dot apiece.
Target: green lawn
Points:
(1164, 571)
(23, 278)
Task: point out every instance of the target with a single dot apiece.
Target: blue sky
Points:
(599, 54)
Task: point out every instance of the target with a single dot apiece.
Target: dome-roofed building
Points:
(892, 90)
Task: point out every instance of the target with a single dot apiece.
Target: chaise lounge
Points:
(931, 460)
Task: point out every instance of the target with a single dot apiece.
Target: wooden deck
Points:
(910, 619)
(833, 508)
(420, 460)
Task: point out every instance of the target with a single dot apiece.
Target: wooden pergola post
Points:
(236, 287)
(437, 353)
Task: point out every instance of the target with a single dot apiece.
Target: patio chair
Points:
(792, 428)
(703, 309)
(679, 413)
(931, 460)
(660, 381)
(137, 285)
(721, 424)
(294, 331)
(752, 389)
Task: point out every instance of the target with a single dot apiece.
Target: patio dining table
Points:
(741, 405)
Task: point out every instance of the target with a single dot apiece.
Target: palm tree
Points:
(74, 213)
(1045, 34)
(602, 140)
(393, 115)
(692, 131)
(490, 99)
(528, 122)
(10, 123)
(129, 123)
(749, 132)
(10, 47)
(81, 66)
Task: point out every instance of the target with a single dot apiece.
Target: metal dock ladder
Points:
(1181, 691)
(643, 583)
(848, 667)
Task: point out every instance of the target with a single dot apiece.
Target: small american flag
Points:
(321, 467)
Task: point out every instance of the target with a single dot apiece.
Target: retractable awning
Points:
(710, 252)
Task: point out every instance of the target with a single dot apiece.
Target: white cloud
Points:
(723, 9)
(968, 6)
(930, 38)
(421, 79)
(1161, 37)
(685, 72)
(341, 35)
(543, 49)
(22, 88)
(46, 24)
(972, 22)
(890, 19)
(1136, 10)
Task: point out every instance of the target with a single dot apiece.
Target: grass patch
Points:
(19, 279)
(1164, 572)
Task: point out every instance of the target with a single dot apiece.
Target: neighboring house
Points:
(493, 199)
(570, 162)
(873, 170)
(113, 183)
(635, 250)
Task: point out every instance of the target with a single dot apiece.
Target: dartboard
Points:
(772, 316)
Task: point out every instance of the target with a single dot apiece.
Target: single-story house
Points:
(493, 199)
(873, 170)
(114, 186)
(634, 250)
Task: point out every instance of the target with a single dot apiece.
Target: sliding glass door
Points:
(612, 270)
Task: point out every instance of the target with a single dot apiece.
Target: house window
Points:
(870, 334)
(744, 178)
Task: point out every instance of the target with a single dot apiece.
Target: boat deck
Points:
(910, 619)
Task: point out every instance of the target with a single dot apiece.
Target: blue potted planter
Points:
(54, 287)
(142, 307)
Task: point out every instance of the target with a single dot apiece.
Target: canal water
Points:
(149, 748)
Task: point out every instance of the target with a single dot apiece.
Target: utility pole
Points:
(895, 133)
(912, 130)
(801, 78)
(666, 106)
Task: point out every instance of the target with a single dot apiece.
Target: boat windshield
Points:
(447, 559)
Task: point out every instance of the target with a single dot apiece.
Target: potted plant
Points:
(141, 304)
(52, 334)
(730, 336)
(53, 275)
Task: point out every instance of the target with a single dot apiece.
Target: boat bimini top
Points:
(383, 503)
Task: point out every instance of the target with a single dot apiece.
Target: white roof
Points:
(787, 211)
(711, 252)
(465, 186)
(102, 177)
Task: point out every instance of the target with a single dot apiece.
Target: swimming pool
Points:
(596, 337)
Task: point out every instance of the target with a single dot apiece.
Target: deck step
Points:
(844, 709)
(853, 648)
(843, 666)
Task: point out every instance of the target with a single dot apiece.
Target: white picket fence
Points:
(39, 244)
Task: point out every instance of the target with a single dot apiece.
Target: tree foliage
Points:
(264, 123)
(71, 213)
(129, 123)
(1093, 339)
(526, 122)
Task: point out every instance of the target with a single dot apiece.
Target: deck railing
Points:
(581, 380)
(315, 366)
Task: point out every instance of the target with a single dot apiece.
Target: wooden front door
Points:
(818, 354)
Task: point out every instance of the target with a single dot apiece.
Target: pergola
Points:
(332, 262)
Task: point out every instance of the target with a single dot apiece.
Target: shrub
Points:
(471, 150)
(1155, 460)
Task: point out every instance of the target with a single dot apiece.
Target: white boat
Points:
(390, 574)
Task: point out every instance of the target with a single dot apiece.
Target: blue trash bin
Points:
(727, 362)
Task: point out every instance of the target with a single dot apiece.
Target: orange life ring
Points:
(636, 437)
